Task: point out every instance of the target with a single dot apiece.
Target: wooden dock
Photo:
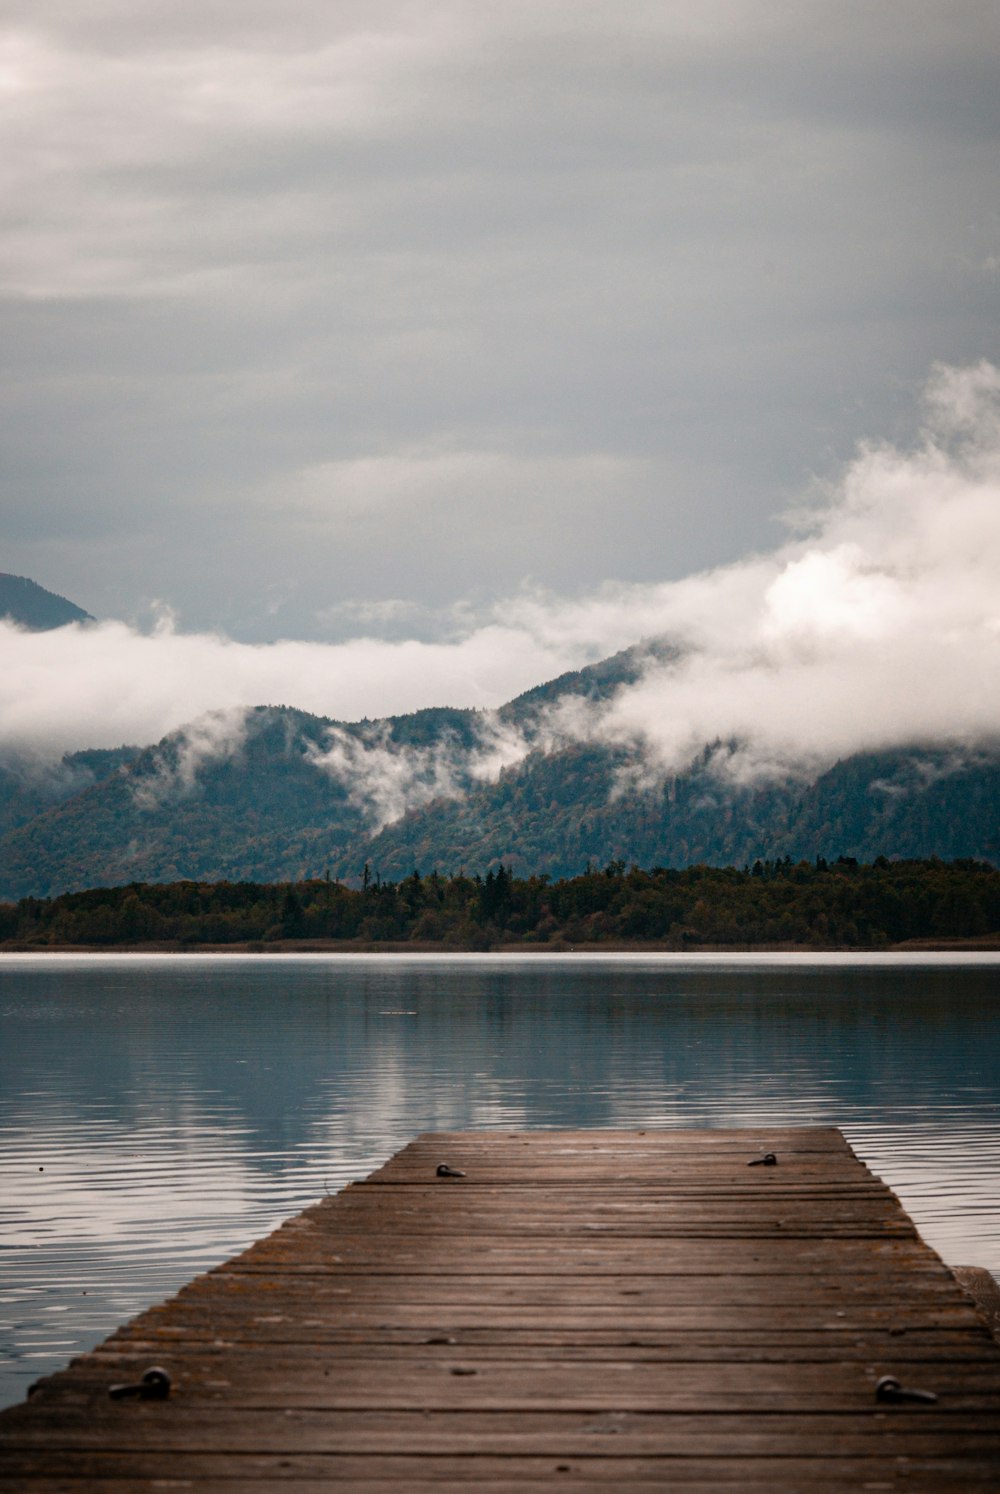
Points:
(633, 1310)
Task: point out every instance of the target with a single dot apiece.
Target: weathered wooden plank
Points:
(447, 1385)
(632, 1309)
(428, 1206)
(666, 1473)
(794, 1474)
(624, 1316)
(313, 1471)
(276, 1341)
(125, 1358)
(465, 1254)
(808, 1291)
(630, 1318)
(896, 1431)
(704, 1139)
(748, 1170)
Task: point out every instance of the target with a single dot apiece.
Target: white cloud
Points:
(880, 629)
(104, 685)
(385, 778)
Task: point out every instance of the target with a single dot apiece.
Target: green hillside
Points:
(558, 813)
(29, 788)
(262, 799)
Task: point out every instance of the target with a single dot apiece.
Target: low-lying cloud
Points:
(385, 779)
(877, 625)
(174, 769)
(879, 628)
(100, 686)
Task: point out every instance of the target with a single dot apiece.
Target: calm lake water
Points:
(159, 1113)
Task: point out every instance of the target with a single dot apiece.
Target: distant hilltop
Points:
(25, 602)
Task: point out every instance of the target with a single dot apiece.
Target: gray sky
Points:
(323, 318)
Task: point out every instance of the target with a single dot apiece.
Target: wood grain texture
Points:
(627, 1310)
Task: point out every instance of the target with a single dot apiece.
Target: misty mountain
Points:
(31, 606)
(560, 811)
(249, 796)
(29, 788)
(277, 794)
(595, 682)
(257, 810)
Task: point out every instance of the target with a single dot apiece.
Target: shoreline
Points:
(983, 944)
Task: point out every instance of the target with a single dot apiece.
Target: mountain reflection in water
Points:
(158, 1113)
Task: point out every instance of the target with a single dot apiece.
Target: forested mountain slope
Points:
(29, 788)
(559, 812)
(280, 795)
(31, 606)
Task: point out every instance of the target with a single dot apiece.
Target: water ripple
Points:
(157, 1116)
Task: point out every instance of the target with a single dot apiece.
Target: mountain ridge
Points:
(24, 602)
(263, 810)
(276, 794)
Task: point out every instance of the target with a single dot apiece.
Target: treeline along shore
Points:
(810, 905)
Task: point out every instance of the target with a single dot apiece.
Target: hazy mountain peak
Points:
(30, 606)
(598, 681)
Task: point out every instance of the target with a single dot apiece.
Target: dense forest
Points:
(809, 904)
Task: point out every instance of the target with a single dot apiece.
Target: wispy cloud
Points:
(385, 778)
(173, 772)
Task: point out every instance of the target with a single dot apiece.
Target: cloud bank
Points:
(880, 628)
(876, 625)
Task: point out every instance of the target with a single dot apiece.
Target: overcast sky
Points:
(324, 318)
